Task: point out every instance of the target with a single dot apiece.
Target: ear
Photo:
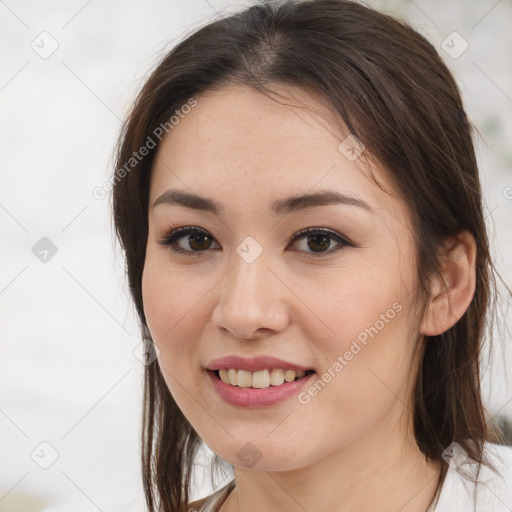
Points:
(451, 295)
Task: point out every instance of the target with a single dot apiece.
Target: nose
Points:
(251, 303)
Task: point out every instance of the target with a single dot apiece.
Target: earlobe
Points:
(452, 292)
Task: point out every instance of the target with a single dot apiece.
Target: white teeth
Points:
(289, 375)
(260, 379)
(232, 377)
(244, 378)
(276, 377)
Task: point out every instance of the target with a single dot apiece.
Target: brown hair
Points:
(392, 91)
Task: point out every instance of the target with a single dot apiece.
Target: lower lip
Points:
(251, 397)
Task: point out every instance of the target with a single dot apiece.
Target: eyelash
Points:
(172, 237)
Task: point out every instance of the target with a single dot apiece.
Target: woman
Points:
(298, 200)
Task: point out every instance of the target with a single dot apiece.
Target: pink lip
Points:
(253, 364)
(252, 398)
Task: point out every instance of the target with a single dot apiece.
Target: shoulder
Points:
(213, 502)
(497, 488)
(467, 489)
(501, 456)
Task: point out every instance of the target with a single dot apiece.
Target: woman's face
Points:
(246, 284)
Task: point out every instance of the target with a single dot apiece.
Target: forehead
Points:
(239, 142)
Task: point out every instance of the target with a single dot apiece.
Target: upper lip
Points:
(253, 364)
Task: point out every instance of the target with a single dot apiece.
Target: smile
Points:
(261, 379)
(254, 397)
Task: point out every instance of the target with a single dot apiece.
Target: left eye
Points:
(199, 240)
(319, 240)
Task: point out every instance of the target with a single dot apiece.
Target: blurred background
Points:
(70, 366)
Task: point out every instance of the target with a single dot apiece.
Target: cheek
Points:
(356, 303)
(173, 308)
(170, 298)
(367, 349)
(169, 313)
(157, 301)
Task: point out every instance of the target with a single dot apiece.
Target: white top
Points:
(493, 492)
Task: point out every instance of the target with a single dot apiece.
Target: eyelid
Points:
(312, 229)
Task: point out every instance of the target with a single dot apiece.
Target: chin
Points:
(259, 456)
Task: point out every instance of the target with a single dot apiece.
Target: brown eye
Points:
(188, 240)
(318, 243)
(199, 241)
(314, 241)
(194, 241)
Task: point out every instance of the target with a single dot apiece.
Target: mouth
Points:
(261, 379)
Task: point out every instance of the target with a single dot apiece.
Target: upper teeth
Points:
(260, 379)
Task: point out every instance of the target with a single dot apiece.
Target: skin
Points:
(351, 447)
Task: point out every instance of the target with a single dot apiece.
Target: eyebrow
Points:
(282, 206)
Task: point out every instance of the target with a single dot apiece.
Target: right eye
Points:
(195, 240)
